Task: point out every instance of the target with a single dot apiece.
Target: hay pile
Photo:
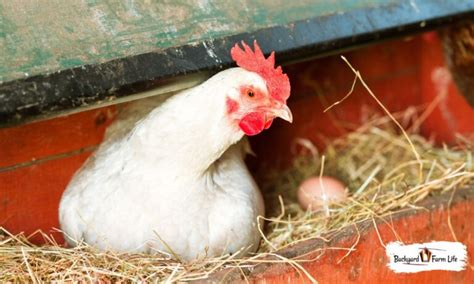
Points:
(375, 161)
(381, 172)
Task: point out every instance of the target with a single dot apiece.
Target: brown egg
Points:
(317, 193)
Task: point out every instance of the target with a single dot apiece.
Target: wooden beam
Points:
(66, 55)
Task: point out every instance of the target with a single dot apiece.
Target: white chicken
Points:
(176, 181)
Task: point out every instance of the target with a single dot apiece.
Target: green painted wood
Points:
(42, 36)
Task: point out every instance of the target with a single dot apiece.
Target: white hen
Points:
(177, 181)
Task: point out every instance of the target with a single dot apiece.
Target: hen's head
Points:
(260, 91)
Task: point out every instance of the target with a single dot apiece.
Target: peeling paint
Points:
(210, 52)
(415, 7)
(101, 21)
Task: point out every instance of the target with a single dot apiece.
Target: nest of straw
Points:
(382, 173)
(376, 162)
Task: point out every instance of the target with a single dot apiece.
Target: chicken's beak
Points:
(284, 113)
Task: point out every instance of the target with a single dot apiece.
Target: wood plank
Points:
(45, 36)
(29, 196)
(30, 143)
(70, 55)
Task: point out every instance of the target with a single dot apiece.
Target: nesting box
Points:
(57, 99)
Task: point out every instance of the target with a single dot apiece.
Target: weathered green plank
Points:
(38, 37)
(61, 56)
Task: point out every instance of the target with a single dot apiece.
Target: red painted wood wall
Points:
(37, 160)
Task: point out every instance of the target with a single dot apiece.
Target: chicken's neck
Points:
(188, 133)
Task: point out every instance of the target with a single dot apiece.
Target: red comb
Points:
(278, 83)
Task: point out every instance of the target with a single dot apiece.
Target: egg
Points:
(317, 193)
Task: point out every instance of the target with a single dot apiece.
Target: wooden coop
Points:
(67, 66)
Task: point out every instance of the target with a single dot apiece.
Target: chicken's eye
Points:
(250, 93)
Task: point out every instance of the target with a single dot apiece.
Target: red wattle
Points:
(253, 123)
(268, 123)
